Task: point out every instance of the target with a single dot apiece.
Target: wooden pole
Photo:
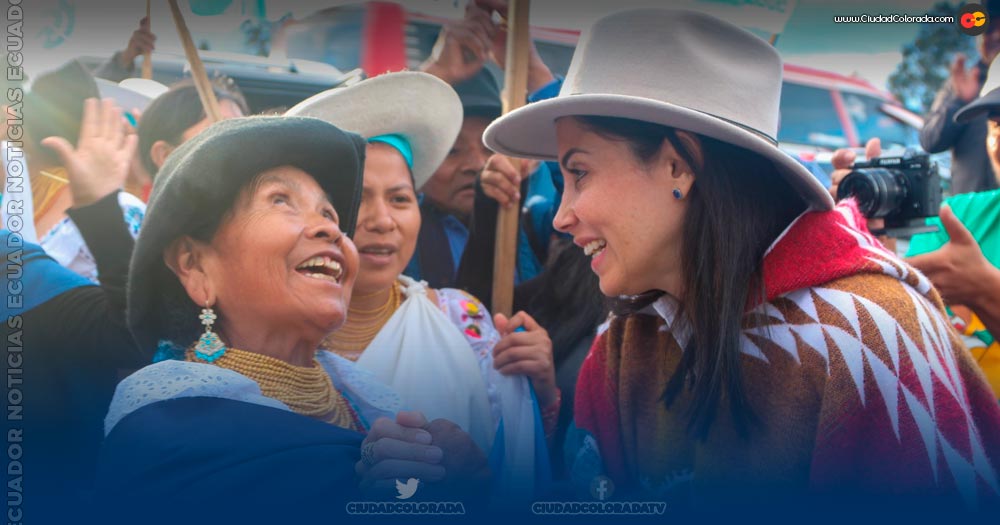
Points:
(201, 82)
(515, 93)
(147, 57)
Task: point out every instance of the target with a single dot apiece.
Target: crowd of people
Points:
(291, 308)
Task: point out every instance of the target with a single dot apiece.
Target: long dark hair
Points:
(737, 207)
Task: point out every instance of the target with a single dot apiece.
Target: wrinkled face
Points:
(280, 260)
(388, 220)
(227, 108)
(453, 186)
(621, 211)
(993, 144)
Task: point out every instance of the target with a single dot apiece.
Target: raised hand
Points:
(100, 162)
(965, 82)
(143, 40)
(463, 47)
(538, 73)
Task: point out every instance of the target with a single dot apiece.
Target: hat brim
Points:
(979, 107)
(126, 98)
(418, 106)
(530, 132)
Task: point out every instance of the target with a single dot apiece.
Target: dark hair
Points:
(172, 113)
(738, 205)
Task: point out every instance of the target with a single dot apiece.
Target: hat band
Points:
(761, 134)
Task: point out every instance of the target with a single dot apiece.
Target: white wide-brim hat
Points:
(989, 97)
(678, 68)
(131, 93)
(417, 106)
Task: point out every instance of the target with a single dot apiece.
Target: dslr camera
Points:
(898, 189)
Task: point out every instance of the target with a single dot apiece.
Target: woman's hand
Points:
(101, 161)
(527, 352)
(466, 466)
(463, 47)
(399, 449)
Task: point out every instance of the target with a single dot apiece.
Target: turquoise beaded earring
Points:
(209, 347)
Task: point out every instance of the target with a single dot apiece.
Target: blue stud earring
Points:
(677, 194)
(209, 347)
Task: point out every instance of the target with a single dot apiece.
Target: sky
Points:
(810, 37)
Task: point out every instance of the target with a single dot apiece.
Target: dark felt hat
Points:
(199, 184)
(54, 103)
(480, 95)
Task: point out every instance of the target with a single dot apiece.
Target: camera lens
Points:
(879, 191)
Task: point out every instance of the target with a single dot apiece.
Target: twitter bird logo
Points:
(408, 489)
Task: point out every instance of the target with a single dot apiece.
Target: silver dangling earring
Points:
(209, 347)
(677, 194)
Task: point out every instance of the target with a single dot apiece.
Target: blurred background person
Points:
(178, 115)
(72, 331)
(122, 64)
(54, 108)
(971, 169)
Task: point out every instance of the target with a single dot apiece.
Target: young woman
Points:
(765, 344)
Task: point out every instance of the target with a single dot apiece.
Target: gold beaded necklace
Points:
(362, 326)
(307, 390)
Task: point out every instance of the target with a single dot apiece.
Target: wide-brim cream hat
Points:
(989, 97)
(678, 68)
(417, 106)
(131, 93)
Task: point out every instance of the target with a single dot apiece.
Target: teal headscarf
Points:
(398, 142)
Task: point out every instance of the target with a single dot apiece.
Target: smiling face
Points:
(279, 262)
(621, 211)
(453, 186)
(388, 220)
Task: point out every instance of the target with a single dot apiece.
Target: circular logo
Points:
(602, 488)
(973, 19)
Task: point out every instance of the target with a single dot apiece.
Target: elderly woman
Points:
(243, 261)
(765, 344)
(438, 349)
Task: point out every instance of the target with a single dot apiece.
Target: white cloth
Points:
(419, 347)
(65, 243)
(439, 359)
(173, 379)
(19, 193)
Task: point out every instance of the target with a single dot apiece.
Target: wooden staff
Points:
(201, 82)
(147, 57)
(515, 93)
